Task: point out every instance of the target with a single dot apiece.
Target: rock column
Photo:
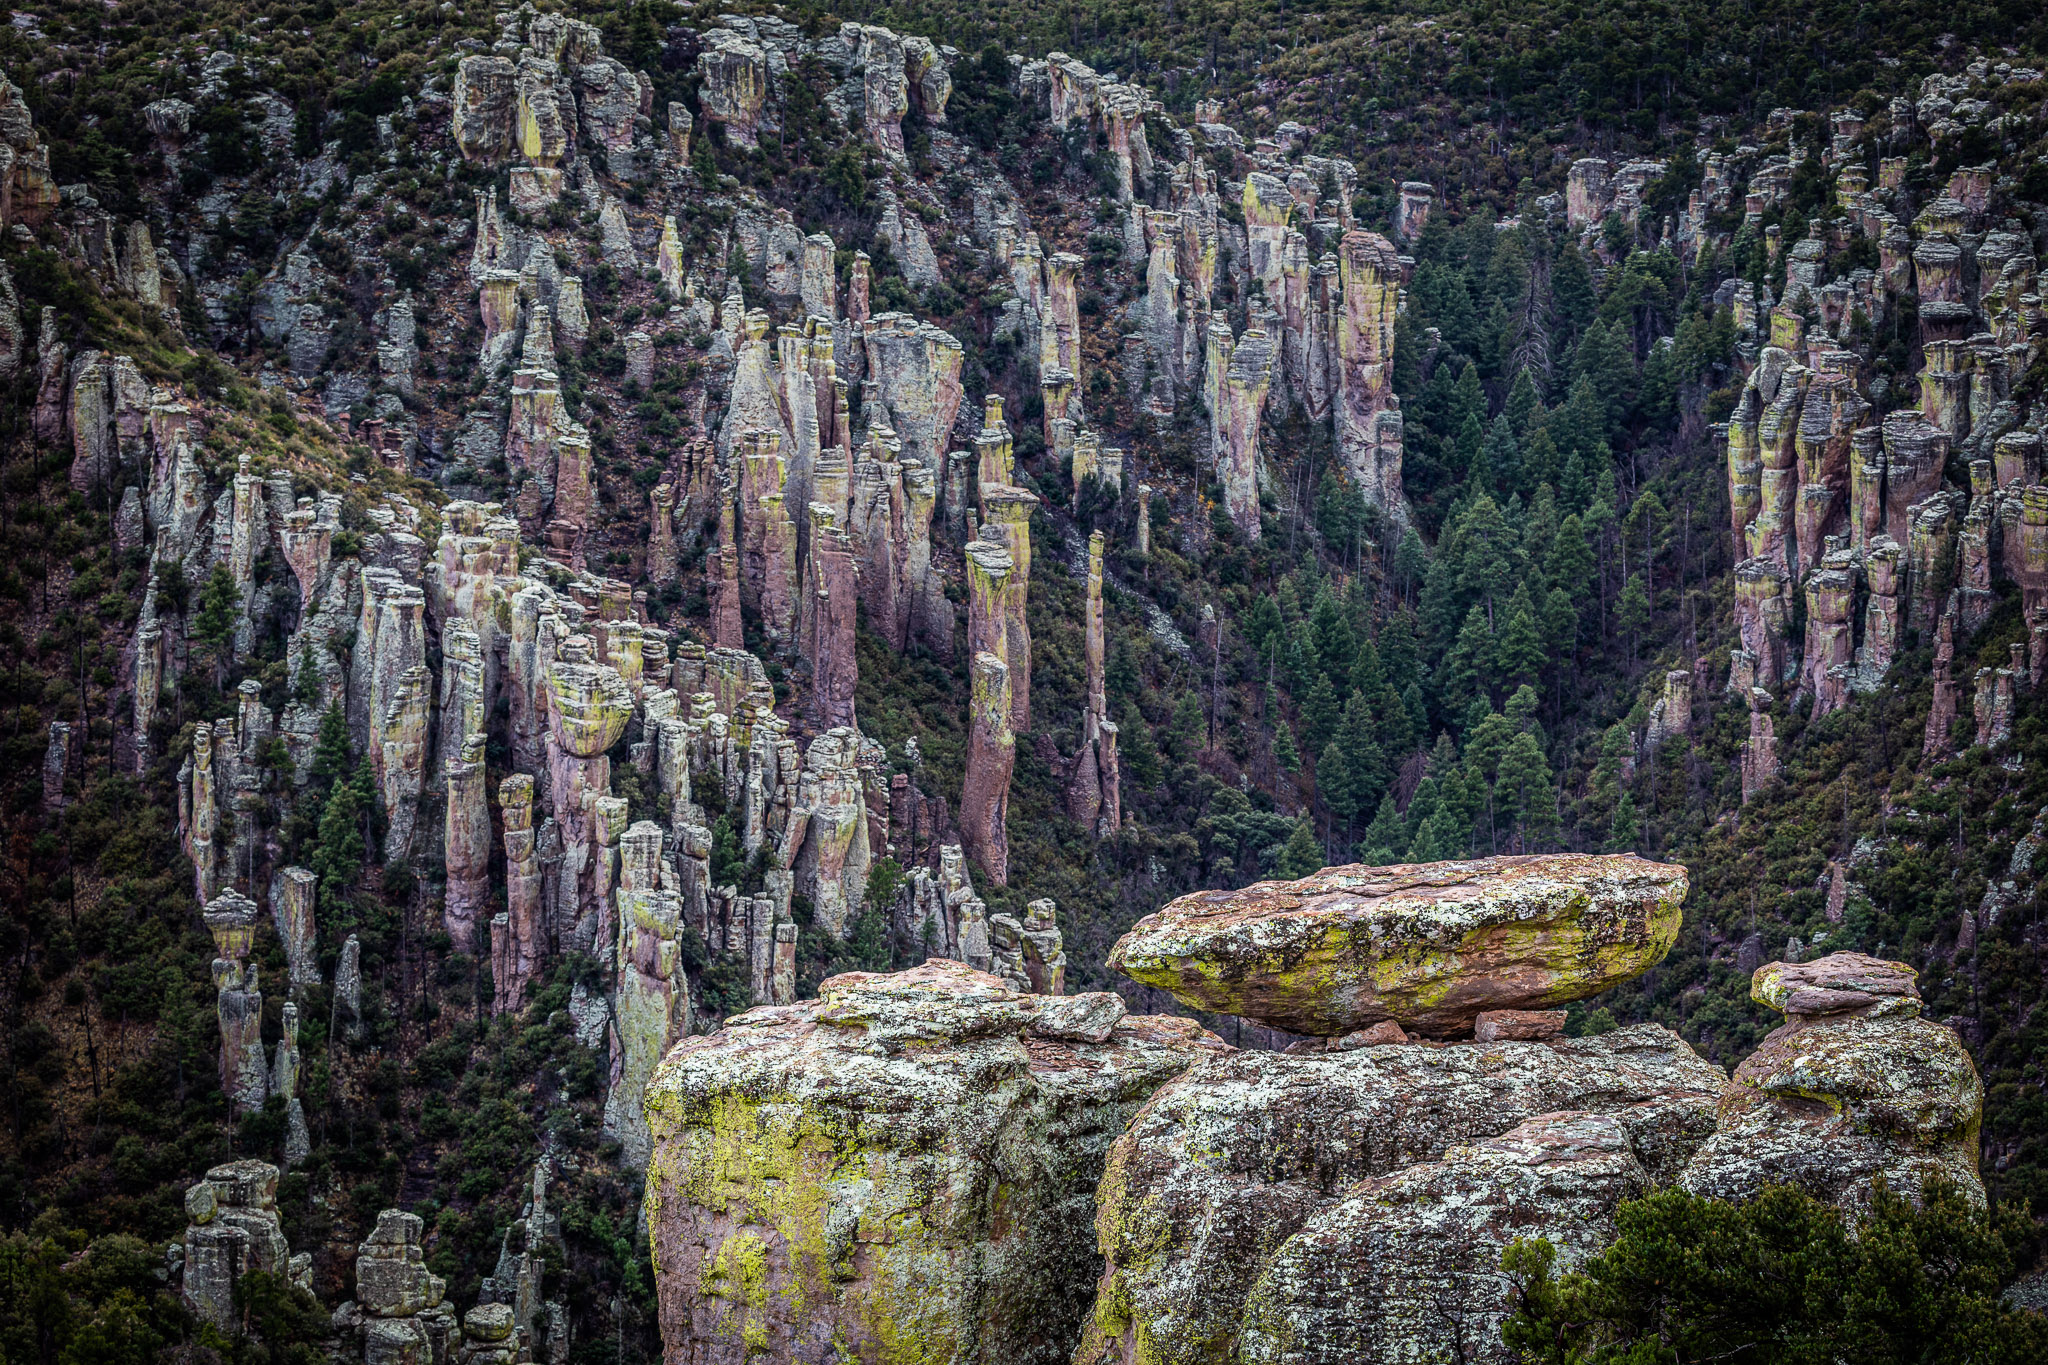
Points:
(238, 1001)
(1093, 799)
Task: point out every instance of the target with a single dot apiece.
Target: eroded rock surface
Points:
(1854, 1088)
(903, 1169)
(1246, 1150)
(1430, 946)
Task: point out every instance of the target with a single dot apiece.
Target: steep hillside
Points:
(530, 533)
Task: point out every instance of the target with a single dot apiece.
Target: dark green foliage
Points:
(1781, 1280)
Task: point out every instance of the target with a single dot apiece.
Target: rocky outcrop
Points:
(1216, 1208)
(991, 739)
(1093, 798)
(233, 1230)
(1428, 946)
(828, 845)
(822, 1170)
(297, 929)
(651, 1005)
(1368, 415)
(1409, 1263)
(517, 944)
(1854, 1088)
(1240, 374)
(734, 92)
(397, 1316)
(238, 1001)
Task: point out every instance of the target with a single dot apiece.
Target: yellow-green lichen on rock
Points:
(901, 1172)
(1430, 946)
(1855, 1088)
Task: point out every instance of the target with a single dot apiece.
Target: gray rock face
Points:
(234, 1230)
(1859, 1090)
(1407, 1266)
(1236, 1157)
(910, 1160)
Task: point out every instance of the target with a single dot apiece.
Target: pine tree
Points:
(1502, 457)
(1469, 661)
(219, 604)
(1284, 752)
(1571, 291)
(1519, 652)
(1319, 714)
(1624, 831)
(1385, 838)
(1334, 641)
(1137, 756)
(1570, 564)
(1523, 403)
(1522, 791)
(1334, 783)
(1262, 624)
(339, 855)
(1357, 736)
(1302, 854)
(1186, 732)
(1560, 628)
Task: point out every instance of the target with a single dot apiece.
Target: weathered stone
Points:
(1502, 1026)
(651, 1005)
(1242, 373)
(828, 844)
(1853, 1089)
(1408, 1264)
(234, 1231)
(1367, 414)
(822, 1170)
(1199, 1200)
(1430, 945)
(296, 926)
(735, 84)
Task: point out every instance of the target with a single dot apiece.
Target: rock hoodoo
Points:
(1429, 946)
(1853, 1088)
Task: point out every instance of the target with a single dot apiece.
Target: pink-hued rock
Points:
(1526, 1026)
(1431, 946)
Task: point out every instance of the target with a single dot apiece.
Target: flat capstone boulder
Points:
(1429, 946)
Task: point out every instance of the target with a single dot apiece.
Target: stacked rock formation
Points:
(1093, 797)
(397, 1316)
(821, 1171)
(234, 1230)
(1854, 1088)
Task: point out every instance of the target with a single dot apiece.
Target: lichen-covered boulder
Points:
(1407, 1266)
(901, 1170)
(1430, 945)
(1234, 1158)
(1854, 1088)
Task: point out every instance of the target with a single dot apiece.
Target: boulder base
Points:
(904, 1169)
(1430, 946)
(1235, 1158)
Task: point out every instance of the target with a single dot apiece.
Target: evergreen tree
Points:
(1262, 625)
(1302, 854)
(1606, 360)
(1284, 752)
(1522, 790)
(339, 855)
(1357, 737)
(1501, 458)
(1334, 783)
(1187, 731)
(1420, 807)
(1411, 561)
(1624, 831)
(1519, 652)
(1581, 425)
(1137, 756)
(1570, 565)
(1572, 298)
(1470, 660)
(1319, 714)
(1385, 838)
(1334, 641)
(1523, 404)
(219, 606)
(1560, 628)
(1540, 456)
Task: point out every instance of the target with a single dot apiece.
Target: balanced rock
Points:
(1407, 1266)
(903, 1169)
(1430, 946)
(1854, 1088)
(1229, 1162)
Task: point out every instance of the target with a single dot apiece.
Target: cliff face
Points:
(529, 600)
